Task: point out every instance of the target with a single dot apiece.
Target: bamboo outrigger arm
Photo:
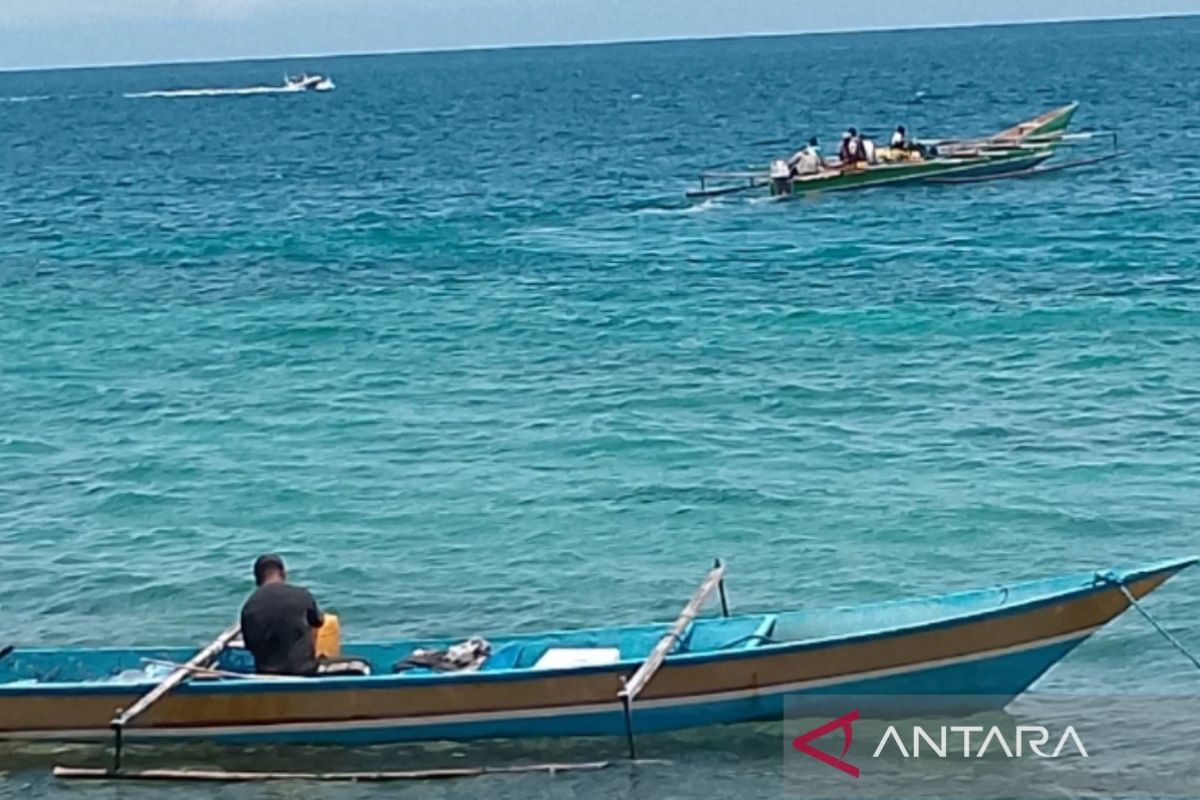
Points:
(1018, 141)
(634, 685)
(178, 676)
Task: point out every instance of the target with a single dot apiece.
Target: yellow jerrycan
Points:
(329, 637)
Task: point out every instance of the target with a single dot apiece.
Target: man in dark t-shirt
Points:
(279, 622)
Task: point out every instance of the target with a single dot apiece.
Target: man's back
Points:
(277, 627)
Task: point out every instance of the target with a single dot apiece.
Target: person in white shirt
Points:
(900, 138)
(808, 160)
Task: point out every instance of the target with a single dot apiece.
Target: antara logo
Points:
(846, 724)
(1035, 736)
(1026, 738)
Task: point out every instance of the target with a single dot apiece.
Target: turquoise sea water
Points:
(450, 340)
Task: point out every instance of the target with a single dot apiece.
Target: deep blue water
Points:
(450, 339)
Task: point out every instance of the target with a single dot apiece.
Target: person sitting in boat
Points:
(807, 161)
(852, 151)
(899, 139)
(280, 622)
(868, 150)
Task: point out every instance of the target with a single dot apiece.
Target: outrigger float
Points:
(1015, 152)
(616, 681)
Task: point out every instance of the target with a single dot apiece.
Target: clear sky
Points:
(42, 33)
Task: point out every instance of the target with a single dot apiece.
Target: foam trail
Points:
(248, 90)
(692, 208)
(28, 99)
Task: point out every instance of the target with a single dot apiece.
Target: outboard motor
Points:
(781, 177)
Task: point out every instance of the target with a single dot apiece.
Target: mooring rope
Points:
(1111, 578)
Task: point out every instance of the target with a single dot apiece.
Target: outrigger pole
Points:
(1042, 169)
(181, 674)
(632, 687)
(1018, 141)
(222, 776)
(754, 180)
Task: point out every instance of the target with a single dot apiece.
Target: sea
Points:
(452, 341)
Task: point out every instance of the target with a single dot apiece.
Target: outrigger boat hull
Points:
(993, 642)
(973, 166)
(1049, 124)
(1015, 151)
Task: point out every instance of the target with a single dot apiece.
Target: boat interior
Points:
(585, 649)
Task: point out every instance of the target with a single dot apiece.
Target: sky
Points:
(55, 33)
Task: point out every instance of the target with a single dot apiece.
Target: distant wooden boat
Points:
(1015, 151)
(974, 164)
(992, 642)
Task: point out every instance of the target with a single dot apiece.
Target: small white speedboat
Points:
(305, 82)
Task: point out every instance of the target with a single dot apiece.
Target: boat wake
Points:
(674, 211)
(232, 92)
(292, 84)
(26, 99)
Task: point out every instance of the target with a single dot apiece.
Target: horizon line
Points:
(607, 42)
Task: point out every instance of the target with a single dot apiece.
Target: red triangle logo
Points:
(843, 723)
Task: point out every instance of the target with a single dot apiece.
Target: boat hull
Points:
(975, 679)
(996, 163)
(1001, 642)
(1014, 151)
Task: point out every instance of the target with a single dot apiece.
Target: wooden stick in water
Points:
(177, 677)
(86, 773)
(645, 672)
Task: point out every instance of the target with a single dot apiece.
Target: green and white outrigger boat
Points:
(1050, 126)
(1018, 151)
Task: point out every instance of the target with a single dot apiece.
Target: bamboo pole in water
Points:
(200, 775)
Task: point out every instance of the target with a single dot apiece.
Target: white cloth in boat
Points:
(342, 666)
(573, 657)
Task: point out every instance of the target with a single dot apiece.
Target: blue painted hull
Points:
(993, 642)
(995, 679)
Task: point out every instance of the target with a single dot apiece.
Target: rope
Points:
(1112, 579)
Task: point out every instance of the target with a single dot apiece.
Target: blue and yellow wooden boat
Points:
(993, 642)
